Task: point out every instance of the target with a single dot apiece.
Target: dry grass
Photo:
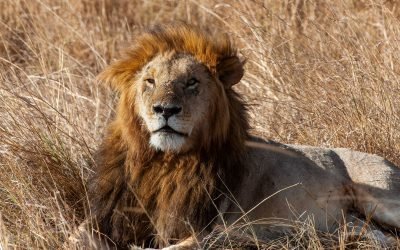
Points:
(319, 72)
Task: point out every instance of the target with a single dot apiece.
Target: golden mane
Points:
(210, 50)
(137, 193)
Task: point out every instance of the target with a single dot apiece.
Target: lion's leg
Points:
(188, 243)
(380, 205)
(357, 228)
(376, 186)
(86, 237)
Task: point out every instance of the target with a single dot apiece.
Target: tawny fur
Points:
(153, 198)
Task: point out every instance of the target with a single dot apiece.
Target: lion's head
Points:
(176, 80)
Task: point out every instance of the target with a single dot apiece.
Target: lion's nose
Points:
(166, 111)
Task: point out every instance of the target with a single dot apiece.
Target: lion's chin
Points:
(167, 141)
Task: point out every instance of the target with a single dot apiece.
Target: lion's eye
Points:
(192, 82)
(150, 81)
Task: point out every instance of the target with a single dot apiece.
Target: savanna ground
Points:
(323, 73)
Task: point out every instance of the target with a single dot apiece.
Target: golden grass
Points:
(322, 73)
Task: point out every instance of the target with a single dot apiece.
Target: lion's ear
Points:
(118, 75)
(230, 71)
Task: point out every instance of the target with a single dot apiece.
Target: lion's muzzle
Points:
(167, 110)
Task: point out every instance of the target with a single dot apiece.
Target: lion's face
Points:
(174, 96)
(175, 86)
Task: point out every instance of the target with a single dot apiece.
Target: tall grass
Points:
(322, 73)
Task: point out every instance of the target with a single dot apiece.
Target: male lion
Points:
(178, 158)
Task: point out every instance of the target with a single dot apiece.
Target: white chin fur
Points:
(167, 142)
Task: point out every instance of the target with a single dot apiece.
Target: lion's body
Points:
(176, 151)
(329, 186)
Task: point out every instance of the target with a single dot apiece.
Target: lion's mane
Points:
(151, 198)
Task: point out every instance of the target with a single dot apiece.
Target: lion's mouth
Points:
(167, 129)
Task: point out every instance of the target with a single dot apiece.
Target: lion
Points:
(178, 158)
